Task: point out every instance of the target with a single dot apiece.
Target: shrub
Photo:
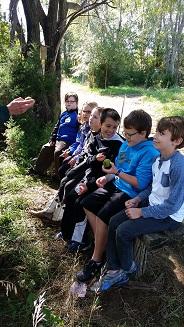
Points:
(24, 138)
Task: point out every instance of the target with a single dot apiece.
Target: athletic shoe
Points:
(90, 270)
(41, 214)
(133, 269)
(117, 279)
(74, 246)
(58, 236)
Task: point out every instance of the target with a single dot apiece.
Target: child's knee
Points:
(123, 232)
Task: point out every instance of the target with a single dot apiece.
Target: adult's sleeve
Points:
(4, 114)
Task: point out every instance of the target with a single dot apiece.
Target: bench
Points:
(149, 242)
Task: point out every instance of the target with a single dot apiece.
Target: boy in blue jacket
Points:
(124, 180)
(63, 135)
(161, 205)
(72, 154)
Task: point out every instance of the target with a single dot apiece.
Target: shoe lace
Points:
(90, 266)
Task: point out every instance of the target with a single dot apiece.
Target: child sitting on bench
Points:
(161, 206)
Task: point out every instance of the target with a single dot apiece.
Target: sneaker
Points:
(42, 214)
(133, 269)
(90, 270)
(74, 246)
(117, 279)
(58, 236)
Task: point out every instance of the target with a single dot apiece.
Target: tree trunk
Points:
(54, 25)
(32, 21)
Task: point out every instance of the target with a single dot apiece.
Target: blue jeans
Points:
(122, 233)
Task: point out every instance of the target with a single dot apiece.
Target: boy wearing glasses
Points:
(63, 135)
(130, 174)
(71, 155)
(158, 208)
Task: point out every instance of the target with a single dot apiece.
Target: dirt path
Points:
(131, 102)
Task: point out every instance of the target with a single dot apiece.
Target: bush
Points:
(23, 77)
(25, 137)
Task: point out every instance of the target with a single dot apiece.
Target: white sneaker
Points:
(58, 213)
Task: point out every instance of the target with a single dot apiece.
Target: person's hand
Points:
(112, 170)
(19, 105)
(100, 157)
(82, 188)
(132, 203)
(65, 154)
(72, 162)
(101, 181)
(133, 213)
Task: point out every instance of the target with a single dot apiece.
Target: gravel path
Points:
(131, 102)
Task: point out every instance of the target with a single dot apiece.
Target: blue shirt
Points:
(136, 161)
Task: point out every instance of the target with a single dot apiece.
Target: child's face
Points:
(109, 128)
(71, 103)
(94, 120)
(133, 137)
(162, 141)
(86, 112)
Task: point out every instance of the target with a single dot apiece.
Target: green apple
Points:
(107, 163)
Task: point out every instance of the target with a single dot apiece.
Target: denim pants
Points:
(122, 233)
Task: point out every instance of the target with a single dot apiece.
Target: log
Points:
(153, 241)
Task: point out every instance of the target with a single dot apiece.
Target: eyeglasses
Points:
(129, 134)
(86, 111)
(70, 101)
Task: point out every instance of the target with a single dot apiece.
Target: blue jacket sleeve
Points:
(74, 146)
(4, 114)
(145, 194)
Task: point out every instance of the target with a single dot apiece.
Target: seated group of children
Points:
(139, 193)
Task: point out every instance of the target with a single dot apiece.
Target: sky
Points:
(5, 7)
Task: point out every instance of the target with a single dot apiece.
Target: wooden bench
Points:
(153, 241)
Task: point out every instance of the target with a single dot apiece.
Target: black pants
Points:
(73, 213)
(72, 178)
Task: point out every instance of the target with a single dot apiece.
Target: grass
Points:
(36, 266)
(170, 101)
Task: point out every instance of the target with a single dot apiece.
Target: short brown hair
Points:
(92, 105)
(109, 113)
(71, 94)
(175, 125)
(140, 120)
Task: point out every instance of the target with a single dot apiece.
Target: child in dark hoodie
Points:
(105, 145)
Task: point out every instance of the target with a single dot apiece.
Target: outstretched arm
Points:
(16, 107)
(19, 105)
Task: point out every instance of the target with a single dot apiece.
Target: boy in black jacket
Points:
(105, 145)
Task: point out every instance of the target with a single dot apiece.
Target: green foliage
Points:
(28, 78)
(133, 44)
(25, 137)
(23, 77)
(52, 320)
(25, 260)
(7, 57)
